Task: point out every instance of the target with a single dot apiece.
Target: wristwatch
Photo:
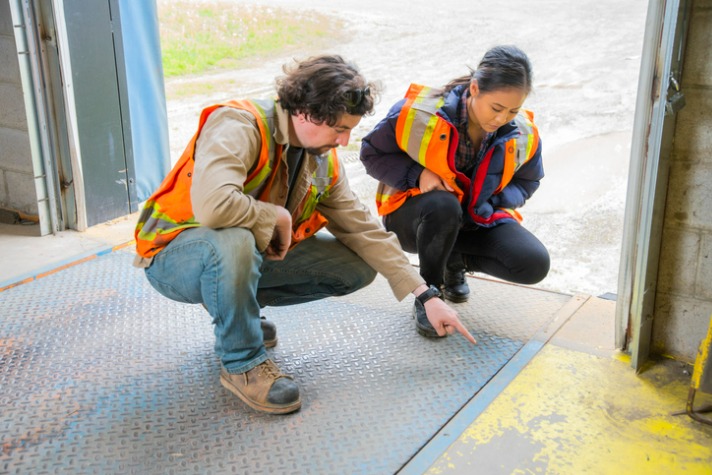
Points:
(428, 294)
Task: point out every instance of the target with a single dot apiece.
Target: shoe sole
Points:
(424, 331)
(428, 333)
(456, 298)
(272, 409)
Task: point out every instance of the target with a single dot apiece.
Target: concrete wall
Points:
(17, 189)
(684, 291)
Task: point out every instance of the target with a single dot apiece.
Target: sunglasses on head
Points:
(354, 97)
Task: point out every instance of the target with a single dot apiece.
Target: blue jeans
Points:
(222, 269)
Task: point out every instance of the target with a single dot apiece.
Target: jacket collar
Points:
(281, 130)
(452, 101)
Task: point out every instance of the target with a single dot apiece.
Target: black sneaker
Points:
(422, 324)
(455, 288)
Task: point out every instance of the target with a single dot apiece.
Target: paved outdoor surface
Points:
(586, 59)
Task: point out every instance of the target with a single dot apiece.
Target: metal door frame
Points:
(661, 66)
(30, 56)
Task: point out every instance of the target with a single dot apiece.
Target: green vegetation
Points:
(204, 36)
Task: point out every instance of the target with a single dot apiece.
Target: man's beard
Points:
(320, 150)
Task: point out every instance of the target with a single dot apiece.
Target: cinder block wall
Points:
(684, 292)
(17, 188)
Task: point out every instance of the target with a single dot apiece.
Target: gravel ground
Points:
(586, 59)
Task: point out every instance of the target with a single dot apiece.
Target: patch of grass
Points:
(197, 37)
(192, 88)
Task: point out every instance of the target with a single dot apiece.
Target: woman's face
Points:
(491, 110)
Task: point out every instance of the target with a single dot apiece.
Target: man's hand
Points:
(281, 237)
(429, 181)
(445, 320)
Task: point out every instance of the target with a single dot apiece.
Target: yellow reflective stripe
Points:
(382, 197)
(265, 171)
(525, 141)
(159, 223)
(263, 117)
(330, 170)
(523, 146)
(322, 181)
(420, 126)
(257, 179)
(427, 136)
(151, 235)
(157, 215)
(405, 138)
(309, 205)
(530, 142)
(513, 213)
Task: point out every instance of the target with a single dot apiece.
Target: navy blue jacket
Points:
(387, 162)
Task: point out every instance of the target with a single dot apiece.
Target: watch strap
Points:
(429, 294)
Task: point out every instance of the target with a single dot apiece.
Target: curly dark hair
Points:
(325, 87)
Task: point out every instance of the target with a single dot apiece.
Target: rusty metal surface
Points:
(101, 374)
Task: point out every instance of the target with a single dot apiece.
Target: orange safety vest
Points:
(169, 211)
(425, 136)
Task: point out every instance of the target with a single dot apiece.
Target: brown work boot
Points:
(269, 331)
(264, 388)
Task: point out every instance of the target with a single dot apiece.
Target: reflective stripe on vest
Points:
(425, 137)
(169, 210)
(323, 178)
(414, 130)
(309, 220)
(269, 150)
(519, 150)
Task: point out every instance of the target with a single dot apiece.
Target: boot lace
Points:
(454, 277)
(269, 369)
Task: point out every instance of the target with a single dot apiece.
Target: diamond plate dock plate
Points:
(101, 374)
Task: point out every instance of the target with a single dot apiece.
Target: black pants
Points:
(430, 225)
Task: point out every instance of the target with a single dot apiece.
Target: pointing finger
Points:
(461, 328)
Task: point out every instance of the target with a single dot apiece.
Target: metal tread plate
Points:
(101, 374)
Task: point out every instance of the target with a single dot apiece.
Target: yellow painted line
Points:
(484, 397)
(573, 413)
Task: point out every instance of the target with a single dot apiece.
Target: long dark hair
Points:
(325, 87)
(502, 67)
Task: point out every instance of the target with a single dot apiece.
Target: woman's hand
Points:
(429, 181)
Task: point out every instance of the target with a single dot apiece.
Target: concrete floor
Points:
(568, 403)
(25, 254)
